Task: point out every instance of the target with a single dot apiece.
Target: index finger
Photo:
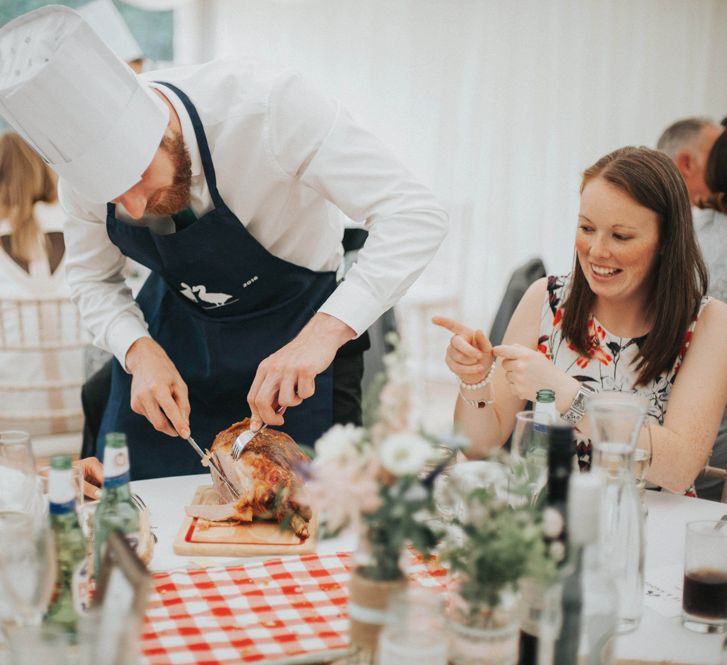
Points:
(174, 413)
(453, 326)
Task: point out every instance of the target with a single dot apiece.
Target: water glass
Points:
(40, 645)
(19, 490)
(27, 567)
(530, 450)
(704, 598)
(414, 633)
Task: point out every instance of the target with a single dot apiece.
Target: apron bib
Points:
(218, 303)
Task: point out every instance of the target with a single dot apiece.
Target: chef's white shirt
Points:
(291, 164)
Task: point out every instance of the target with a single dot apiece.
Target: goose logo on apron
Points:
(206, 300)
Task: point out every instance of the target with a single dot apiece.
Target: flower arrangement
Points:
(374, 478)
(497, 539)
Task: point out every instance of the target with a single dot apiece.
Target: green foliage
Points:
(496, 541)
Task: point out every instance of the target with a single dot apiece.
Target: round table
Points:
(658, 639)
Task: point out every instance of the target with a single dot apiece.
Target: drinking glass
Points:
(19, 490)
(40, 645)
(27, 567)
(530, 450)
(642, 457)
(704, 598)
(414, 633)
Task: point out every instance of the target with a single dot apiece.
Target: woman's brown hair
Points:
(25, 179)
(715, 175)
(680, 277)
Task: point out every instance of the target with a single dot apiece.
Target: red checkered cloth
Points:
(290, 610)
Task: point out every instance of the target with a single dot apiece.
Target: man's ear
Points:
(684, 161)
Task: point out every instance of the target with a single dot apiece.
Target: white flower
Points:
(338, 443)
(415, 493)
(552, 523)
(404, 453)
(556, 549)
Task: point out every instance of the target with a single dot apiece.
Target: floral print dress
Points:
(610, 365)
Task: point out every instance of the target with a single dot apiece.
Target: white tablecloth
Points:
(658, 639)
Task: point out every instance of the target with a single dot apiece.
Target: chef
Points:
(230, 181)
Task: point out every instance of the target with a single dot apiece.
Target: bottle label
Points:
(60, 487)
(116, 467)
(62, 508)
(116, 481)
(81, 587)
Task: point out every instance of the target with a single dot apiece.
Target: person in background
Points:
(632, 316)
(711, 225)
(36, 313)
(230, 180)
(688, 143)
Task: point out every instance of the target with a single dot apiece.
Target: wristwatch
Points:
(577, 408)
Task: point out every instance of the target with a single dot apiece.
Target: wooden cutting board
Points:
(202, 538)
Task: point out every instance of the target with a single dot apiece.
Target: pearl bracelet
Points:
(480, 384)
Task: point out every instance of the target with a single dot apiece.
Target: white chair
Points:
(42, 346)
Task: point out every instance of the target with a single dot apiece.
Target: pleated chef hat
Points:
(82, 109)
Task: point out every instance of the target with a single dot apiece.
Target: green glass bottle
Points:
(70, 596)
(116, 510)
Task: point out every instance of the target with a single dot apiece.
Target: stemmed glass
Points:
(529, 450)
(642, 457)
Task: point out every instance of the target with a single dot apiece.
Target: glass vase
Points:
(481, 633)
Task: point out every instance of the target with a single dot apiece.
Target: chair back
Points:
(42, 346)
(714, 472)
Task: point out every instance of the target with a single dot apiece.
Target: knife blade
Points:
(212, 461)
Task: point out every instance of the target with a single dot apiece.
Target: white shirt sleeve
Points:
(314, 139)
(94, 274)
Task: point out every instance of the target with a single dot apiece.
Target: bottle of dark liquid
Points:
(560, 463)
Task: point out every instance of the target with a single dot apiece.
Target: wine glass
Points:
(642, 456)
(529, 450)
(27, 567)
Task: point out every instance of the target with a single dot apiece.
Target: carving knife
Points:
(213, 463)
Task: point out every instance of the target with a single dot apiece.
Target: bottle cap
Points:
(545, 395)
(116, 440)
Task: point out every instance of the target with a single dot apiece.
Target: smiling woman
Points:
(631, 317)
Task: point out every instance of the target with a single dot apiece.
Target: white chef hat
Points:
(82, 109)
(106, 20)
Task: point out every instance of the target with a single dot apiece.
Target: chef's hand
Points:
(287, 377)
(92, 476)
(157, 390)
(469, 354)
(528, 371)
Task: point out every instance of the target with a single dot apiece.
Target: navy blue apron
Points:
(218, 303)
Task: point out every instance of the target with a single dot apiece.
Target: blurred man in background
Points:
(688, 143)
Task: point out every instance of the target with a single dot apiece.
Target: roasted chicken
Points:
(267, 477)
